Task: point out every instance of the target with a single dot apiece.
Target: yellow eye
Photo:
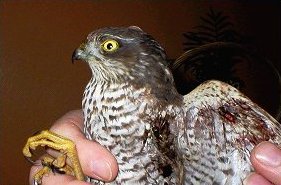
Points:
(110, 45)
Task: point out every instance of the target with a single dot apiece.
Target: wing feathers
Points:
(221, 126)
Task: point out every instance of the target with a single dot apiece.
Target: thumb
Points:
(266, 159)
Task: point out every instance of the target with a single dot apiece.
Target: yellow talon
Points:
(39, 175)
(59, 143)
(60, 161)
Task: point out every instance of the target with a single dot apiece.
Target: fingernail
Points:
(255, 179)
(248, 180)
(102, 169)
(268, 154)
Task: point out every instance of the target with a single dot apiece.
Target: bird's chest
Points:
(116, 117)
(112, 112)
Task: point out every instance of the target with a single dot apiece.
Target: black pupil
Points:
(109, 46)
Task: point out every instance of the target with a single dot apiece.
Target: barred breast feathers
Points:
(119, 117)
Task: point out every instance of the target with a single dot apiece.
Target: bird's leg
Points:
(59, 143)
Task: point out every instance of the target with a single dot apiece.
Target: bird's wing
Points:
(220, 128)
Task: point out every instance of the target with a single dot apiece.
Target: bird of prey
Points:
(131, 107)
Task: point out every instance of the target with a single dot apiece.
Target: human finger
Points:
(266, 160)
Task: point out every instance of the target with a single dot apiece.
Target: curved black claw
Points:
(30, 160)
(35, 182)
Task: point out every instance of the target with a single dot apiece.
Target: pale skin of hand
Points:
(266, 160)
(99, 163)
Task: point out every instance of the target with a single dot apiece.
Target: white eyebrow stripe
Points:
(121, 38)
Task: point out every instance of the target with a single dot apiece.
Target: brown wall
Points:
(38, 81)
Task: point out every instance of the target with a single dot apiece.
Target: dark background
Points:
(38, 82)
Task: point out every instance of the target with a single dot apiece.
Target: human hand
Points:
(96, 161)
(266, 160)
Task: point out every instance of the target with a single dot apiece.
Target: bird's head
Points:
(119, 53)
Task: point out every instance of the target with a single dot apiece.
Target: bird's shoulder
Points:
(218, 104)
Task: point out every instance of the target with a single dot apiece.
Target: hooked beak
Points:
(79, 53)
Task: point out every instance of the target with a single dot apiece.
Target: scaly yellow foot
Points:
(49, 164)
(59, 143)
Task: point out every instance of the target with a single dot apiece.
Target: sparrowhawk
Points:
(131, 107)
